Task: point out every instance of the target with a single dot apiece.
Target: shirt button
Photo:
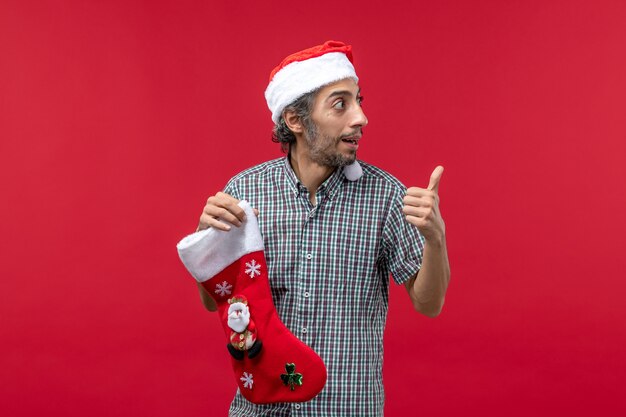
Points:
(297, 406)
(307, 294)
(309, 256)
(304, 330)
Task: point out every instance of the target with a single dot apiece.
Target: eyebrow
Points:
(342, 93)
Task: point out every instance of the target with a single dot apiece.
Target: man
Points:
(334, 228)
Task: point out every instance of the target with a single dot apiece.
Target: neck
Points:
(310, 173)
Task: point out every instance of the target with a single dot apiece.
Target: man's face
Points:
(336, 124)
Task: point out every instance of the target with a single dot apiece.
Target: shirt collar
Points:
(292, 180)
(328, 187)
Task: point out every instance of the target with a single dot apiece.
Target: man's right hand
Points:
(221, 211)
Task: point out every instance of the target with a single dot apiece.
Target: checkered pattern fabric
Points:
(329, 267)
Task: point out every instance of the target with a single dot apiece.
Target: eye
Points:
(359, 100)
(339, 104)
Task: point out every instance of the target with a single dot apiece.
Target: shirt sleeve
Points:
(231, 189)
(404, 244)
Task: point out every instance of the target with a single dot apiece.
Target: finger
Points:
(207, 221)
(435, 177)
(231, 204)
(426, 201)
(421, 212)
(222, 214)
(234, 209)
(256, 212)
(216, 224)
(420, 192)
(419, 222)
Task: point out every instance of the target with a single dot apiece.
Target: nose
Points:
(358, 117)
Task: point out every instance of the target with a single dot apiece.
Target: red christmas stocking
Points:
(269, 362)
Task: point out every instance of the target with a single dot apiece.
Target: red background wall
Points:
(118, 119)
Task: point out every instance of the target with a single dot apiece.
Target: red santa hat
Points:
(306, 71)
(238, 299)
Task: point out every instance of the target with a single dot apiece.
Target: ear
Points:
(293, 122)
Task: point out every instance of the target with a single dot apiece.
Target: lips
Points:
(352, 139)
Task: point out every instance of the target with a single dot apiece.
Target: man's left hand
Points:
(421, 207)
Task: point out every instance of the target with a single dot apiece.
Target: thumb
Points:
(435, 177)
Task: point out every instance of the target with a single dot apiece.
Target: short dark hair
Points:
(302, 107)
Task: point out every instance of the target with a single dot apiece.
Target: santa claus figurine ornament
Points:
(243, 336)
(270, 364)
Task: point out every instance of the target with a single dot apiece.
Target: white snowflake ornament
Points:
(223, 289)
(247, 380)
(253, 268)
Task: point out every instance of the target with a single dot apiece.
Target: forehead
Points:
(347, 86)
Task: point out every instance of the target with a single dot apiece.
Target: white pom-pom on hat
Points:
(353, 171)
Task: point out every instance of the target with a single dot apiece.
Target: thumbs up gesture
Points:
(421, 207)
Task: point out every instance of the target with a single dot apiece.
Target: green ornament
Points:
(291, 378)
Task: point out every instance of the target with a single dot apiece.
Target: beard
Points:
(238, 317)
(323, 148)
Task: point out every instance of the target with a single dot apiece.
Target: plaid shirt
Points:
(329, 267)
